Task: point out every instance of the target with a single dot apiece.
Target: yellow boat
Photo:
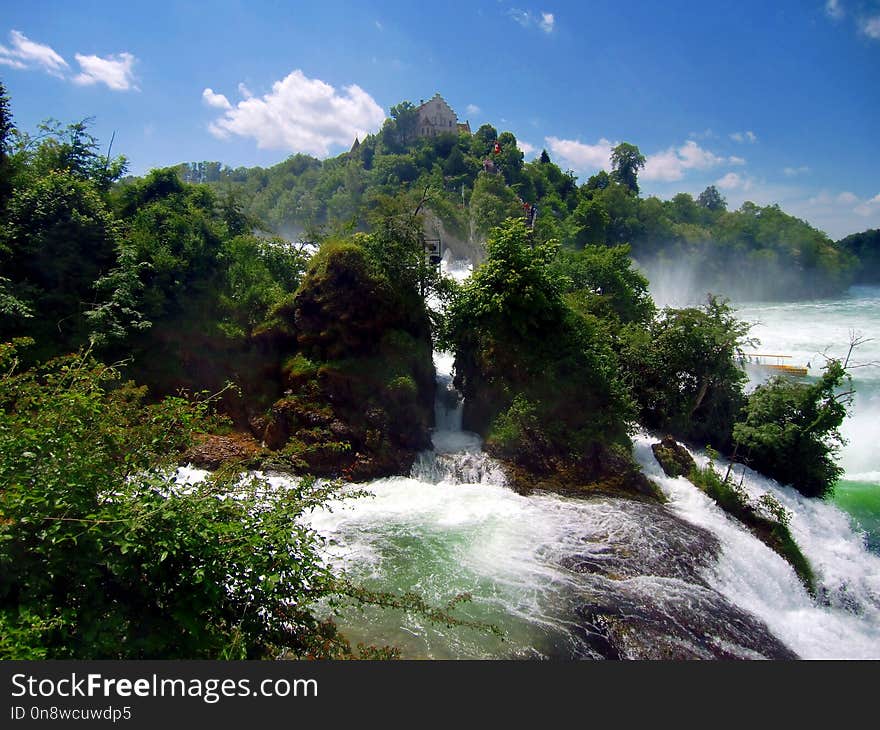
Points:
(788, 369)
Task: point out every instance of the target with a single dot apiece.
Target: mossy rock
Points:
(673, 458)
(616, 477)
(774, 533)
(212, 451)
(359, 386)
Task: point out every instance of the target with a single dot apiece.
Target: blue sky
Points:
(775, 102)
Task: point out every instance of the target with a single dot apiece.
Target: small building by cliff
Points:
(437, 117)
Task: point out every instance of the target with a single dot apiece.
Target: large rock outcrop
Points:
(358, 378)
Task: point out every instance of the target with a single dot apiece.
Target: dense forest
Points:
(476, 181)
(155, 321)
(865, 247)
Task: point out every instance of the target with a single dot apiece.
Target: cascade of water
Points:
(567, 577)
(844, 622)
(457, 456)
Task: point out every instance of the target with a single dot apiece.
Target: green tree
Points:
(865, 248)
(791, 429)
(510, 159)
(601, 280)
(539, 379)
(711, 199)
(626, 161)
(7, 133)
(599, 181)
(684, 370)
(590, 221)
(492, 202)
(483, 139)
(104, 555)
(72, 149)
(60, 238)
(395, 243)
(406, 123)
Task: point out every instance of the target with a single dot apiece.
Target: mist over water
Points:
(806, 331)
(809, 330)
(683, 276)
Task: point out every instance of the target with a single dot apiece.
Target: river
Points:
(598, 578)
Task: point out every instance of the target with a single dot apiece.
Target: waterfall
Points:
(562, 577)
(565, 577)
(845, 619)
(457, 456)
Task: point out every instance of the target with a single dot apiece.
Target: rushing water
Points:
(809, 330)
(565, 577)
(604, 577)
(560, 577)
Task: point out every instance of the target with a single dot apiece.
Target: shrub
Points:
(104, 555)
(791, 430)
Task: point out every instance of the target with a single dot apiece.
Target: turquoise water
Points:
(806, 331)
(539, 566)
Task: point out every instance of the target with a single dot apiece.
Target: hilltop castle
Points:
(436, 117)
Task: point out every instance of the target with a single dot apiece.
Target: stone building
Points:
(436, 117)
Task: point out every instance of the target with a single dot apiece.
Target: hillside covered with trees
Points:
(476, 181)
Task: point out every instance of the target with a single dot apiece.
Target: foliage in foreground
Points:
(790, 430)
(767, 518)
(103, 554)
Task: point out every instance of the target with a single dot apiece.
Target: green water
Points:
(862, 501)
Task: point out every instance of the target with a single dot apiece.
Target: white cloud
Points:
(523, 17)
(734, 181)
(869, 207)
(665, 166)
(245, 92)
(748, 136)
(526, 148)
(795, 171)
(871, 27)
(472, 109)
(734, 160)
(834, 9)
(582, 156)
(705, 134)
(694, 156)
(13, 62)
(671, 164)
(379, 25)
(301, 114)
(837, 213)
(847, 201)
(217, 101)
(544, 21)
(114, 71)
(25, 53)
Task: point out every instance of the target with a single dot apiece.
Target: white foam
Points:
(758, 580)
